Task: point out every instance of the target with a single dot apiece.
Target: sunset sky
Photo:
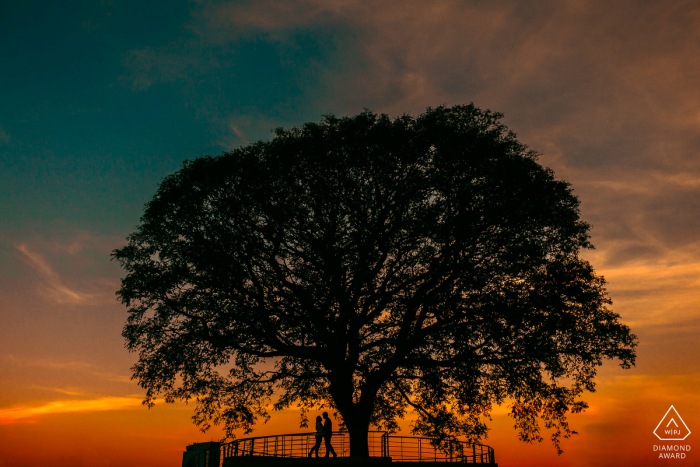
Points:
(99, 100)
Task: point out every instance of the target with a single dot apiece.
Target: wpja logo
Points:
(672, 428)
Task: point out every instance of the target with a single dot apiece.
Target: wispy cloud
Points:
(52, 284)
(73, 365)
(74, 245)
(593, 89)
(66, 391)
(657, 293)
(236, 131)
(176, 62)
(17, 414)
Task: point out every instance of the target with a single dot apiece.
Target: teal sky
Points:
(99, 100)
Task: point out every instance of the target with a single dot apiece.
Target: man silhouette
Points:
(327, 433)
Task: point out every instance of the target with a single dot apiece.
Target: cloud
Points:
(219, 22)
(609, 98)
(240, 76)
(75, 245)
(582, 78)
(238, 133)
(53, 285)
(16, 414)
(67, 392)
(174, 62)
(75, 366)
(73, 266)
(658, 293)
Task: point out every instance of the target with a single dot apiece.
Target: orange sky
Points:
(607, 92)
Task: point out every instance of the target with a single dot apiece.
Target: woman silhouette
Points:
(319, 436)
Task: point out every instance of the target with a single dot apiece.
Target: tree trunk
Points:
(359, 446)
(357, 422)
(356, 415)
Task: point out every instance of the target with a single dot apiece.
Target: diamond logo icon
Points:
(672, 427)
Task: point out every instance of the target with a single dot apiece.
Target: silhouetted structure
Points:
(376, 265)
(281, 450)
(202, 454)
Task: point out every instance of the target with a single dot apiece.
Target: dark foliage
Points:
(370, 265)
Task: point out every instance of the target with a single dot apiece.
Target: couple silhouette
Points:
(324, 431)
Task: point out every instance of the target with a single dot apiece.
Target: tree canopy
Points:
(371, 265)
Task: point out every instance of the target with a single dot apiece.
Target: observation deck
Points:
(293, 450)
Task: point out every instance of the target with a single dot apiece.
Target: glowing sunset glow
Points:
(101, 100)
(11, 415)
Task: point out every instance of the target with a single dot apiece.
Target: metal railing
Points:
(298, 445)
(379, 443)
(415, 449)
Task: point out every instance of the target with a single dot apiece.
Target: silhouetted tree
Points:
(370, 265)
